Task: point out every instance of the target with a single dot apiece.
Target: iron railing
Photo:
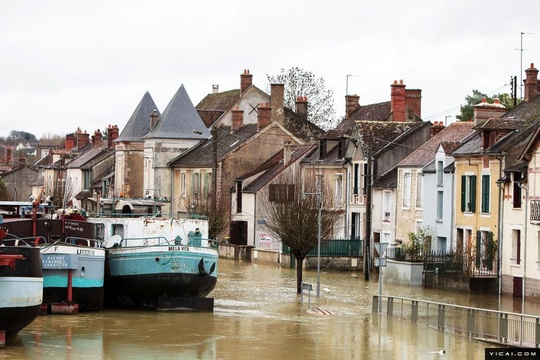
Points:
(507, 328)
(473, 265)
(535, 210)
(335, 248)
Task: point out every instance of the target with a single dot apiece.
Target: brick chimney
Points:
(352, 102)
(397, 96)
(264, 116)
(237, 119)
(115, 132)
(153, 119)
(97, 137)
(83, 138)
(70, 141)
(277, 98)
(413, 101)
(287, 150)
(531, 82)
(484, 111)
(245, 81)
(436, 127)
(9, 155)
(302, 106)
(109, 136)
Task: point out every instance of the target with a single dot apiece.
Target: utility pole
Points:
(367, 230)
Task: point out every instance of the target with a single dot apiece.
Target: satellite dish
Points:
(114, 240)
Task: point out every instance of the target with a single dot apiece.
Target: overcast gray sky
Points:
(68, 64)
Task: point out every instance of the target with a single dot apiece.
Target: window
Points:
(322, 149)
(281, 193)
(183, 183)
(86, 179)
(206, 184)
(341, 148)
(517, 191)
(387, 206)
(407, 190)
(516, 247)
(118, 229)
(339, 190)
(100, 231)
(356, 180)
(238, 196)
(439, 205)
(440, 173)
(419, 199)
(195, 185)
(485, 193)
(441, 243)
(468, 193)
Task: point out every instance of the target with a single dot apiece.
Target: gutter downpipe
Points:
(500, 226)
(254, 218)
(524, 247)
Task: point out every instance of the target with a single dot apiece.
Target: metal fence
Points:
(501, 327)
(472, 265)
(335, 247)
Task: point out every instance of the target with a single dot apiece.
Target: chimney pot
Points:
(246, 79)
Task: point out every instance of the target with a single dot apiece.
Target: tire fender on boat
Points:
(202, 269)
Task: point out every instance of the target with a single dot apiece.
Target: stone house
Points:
(269, 182)
(129, 162)
(176, 130)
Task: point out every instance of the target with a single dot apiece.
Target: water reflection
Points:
(257, 315)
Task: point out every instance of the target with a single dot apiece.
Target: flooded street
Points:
(258, 315)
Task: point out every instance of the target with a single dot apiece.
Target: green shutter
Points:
(485, 193)
(463, 186)
(473, 193)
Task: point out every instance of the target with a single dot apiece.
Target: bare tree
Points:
(217, 215)
(299, 82)
(291, 213)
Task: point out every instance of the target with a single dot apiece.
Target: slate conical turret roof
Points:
(180, 120)
(138, 124)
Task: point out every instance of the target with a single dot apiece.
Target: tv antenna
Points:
(521, 63)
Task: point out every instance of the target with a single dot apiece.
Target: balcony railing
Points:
(535, 210)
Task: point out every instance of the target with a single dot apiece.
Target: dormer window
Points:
(322, 149)
(341, 148)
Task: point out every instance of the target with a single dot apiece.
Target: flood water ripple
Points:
(258, 315)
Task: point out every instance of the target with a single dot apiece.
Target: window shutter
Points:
(463, 199)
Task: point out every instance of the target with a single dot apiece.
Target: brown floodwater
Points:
(258, 315)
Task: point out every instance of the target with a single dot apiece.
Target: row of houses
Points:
(473, 183)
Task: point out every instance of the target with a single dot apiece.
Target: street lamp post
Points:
(319, 216)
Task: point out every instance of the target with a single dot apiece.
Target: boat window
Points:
(118, 229)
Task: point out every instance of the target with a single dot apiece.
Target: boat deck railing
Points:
(501, 327)
(42, 241)
(162, 241)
